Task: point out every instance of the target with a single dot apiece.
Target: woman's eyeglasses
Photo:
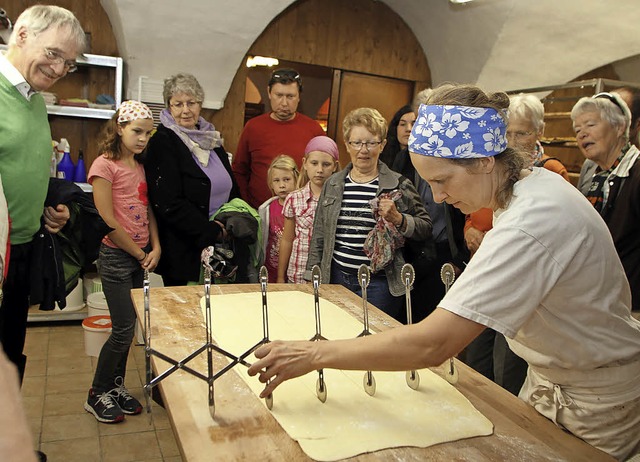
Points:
(518, 135)
(180, 105)
(358, 145)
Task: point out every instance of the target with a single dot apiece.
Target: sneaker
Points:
(103, 407)
(127, 403)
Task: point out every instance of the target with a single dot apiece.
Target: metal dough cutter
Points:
(316, 279)
(408, 277)
(364, 278)
(448, 275)
(264, 278)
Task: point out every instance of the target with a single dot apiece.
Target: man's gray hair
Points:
(39, 18)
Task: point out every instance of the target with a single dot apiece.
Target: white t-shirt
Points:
(548, 277)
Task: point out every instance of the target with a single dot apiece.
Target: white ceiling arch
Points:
(498, 44)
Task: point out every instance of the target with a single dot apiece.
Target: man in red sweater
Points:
(282, 131)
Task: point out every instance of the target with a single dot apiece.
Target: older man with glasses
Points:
(281, 131)
(43, 47)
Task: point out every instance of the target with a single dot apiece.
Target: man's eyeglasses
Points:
(358, 145)
(181, 105)
(518, 135)
(611, 98)
(55, 58)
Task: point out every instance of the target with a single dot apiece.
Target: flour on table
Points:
(350, 422)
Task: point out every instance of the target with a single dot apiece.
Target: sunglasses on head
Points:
(612, 98)
(286, 75)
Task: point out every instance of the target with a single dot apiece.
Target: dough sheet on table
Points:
(350, 422)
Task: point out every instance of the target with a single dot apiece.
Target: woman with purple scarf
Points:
(189, 178)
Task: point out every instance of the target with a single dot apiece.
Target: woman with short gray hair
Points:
(610, 175)
(189, 178)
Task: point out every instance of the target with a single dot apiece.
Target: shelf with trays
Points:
(91, 60)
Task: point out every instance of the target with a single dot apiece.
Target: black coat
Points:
(58, 259)
(179, 195)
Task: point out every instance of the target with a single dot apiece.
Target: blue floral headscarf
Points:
(458, 132)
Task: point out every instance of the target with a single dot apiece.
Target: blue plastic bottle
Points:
(80, 173)
(65, 167)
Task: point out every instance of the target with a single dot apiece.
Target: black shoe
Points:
(42, 457)
(103, 407)
(128, 404)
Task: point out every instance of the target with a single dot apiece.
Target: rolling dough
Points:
(350, 422)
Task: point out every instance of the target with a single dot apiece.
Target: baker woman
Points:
(558, 294)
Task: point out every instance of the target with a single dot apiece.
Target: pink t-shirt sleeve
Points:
(129, 197)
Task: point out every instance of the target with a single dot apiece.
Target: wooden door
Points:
(352, 90)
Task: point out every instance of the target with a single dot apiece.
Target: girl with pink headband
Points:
(120, 195)
(320, 161)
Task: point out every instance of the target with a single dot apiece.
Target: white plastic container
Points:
(75, 302)
(97, 305)
(89, 281)
(97, 330)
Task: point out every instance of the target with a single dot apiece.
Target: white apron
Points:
(601, 406)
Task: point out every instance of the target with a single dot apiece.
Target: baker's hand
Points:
(473, 237)
(387, 210)
(279, 361)
(56, 218)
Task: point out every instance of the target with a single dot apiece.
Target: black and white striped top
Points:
(354, 223)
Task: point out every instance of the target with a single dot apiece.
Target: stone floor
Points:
(57, 379)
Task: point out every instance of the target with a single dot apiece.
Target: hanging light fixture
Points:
(253, 61)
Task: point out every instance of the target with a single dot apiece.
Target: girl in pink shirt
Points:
(320, 161)
(120, 195)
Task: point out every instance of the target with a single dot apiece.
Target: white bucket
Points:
(97, 330)
(75, 301)
(90, 281)
(97, 304)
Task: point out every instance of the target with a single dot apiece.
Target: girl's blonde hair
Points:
(304, 177)
(282, 162)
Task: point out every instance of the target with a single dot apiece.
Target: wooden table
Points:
(243, 429)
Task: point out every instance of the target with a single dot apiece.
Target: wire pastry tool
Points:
(364, 278)
(264, 277)
(448, 275)
(408, 278)
(316, 279)
(209, 347)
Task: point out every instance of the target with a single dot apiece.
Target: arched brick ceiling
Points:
(499, 44)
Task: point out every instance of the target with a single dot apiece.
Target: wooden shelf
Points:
(557, 115)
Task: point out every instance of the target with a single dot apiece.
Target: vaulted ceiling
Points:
(498, 44)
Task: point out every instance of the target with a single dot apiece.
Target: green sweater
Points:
(25, 154)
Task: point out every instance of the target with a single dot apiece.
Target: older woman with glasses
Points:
(344, 216)
(558, 293)
(525, 129)
(610, 175)
(189, 178)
